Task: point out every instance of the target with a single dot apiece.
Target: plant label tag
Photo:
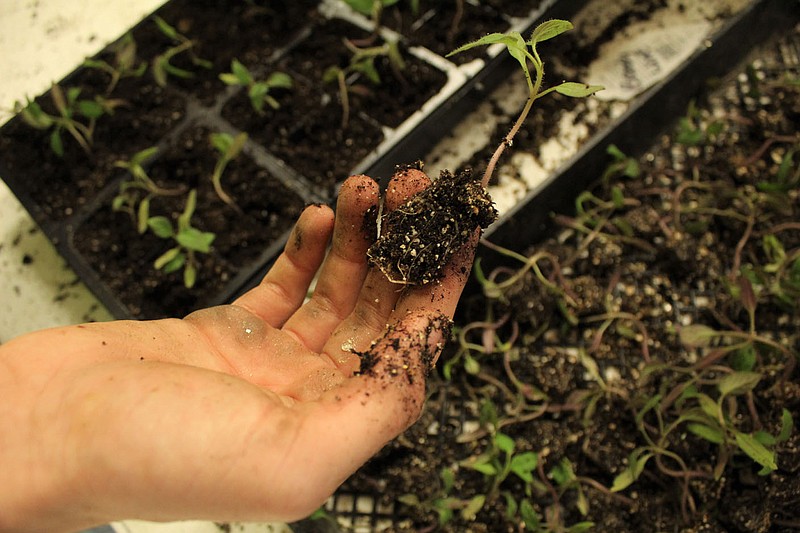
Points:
(630, 65)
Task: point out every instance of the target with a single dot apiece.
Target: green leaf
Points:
(189, 275)
(577, 90)
(473, 507)
(229, 79)
(549, 29)
(743, 359)
(161, 226)
(529, 515)
(140, 157)
(165, 28)
(511, 39)
(56, 144)
(511, 505)
(756, 451)
(706, 432)
(159, 71)
(362, 6)
(580, 527)
(483, 467)
(697, 335)
(523, 464)
(636, 463)
(738, 383)
(448, 479)
(194, 239)
(471, 365)
(221, 141)
(764, 438)
(279, 80)
(167, 257)
(787, 424)
(367, 68)
(184, 220)
(563, 472)
(90, 109)
(143, 216)
(331, 74)
(241, 73)
(504, 443)
(708, 406)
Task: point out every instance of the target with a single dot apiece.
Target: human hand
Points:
(252, 411)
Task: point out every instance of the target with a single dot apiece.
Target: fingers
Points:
(378, 296)
(343, 270)
(284, 288)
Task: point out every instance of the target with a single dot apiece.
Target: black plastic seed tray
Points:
(69, 196)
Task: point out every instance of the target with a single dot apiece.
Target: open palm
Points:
(252, 411)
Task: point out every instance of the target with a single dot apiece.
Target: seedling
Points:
(70, 108)
(374, 9)
(257, 91)
(189, 241)
(162, 66)
(406, 251)
(129, 198)
(362, 63)
(124, 65)
(228, 148)
(525, 52)
(692, 129)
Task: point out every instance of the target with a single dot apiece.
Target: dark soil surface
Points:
(114, 250)
(645, 346)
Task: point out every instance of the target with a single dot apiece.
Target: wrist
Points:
(37, 492)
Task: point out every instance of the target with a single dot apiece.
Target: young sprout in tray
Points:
(228, 148)
(124, 64)
(362, 62)
(129, 198)
(70, 107)
(189, 241)
(257, 91)
(162, 66)
(418, 239)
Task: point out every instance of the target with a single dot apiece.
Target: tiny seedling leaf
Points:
(697, 335)
(167, 257)
(529, 515)
(90, 109)
(524, 464)
(279, 80)
(483, 467)
(165, 28)
(242, 74)
(143, 216)
(574, 89)
(756, 451)
(706, 432)
(194, 239)
(189, 275)
(56, 144)
(549, 29)
(636, 463)
(473, 507)
(161, 226)
(787, 424)
(229, 79)
(362, 6)
(504, 443)
(738, 383)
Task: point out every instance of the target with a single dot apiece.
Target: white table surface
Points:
(40, 42)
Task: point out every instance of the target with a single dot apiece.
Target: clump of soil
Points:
(418, 239)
